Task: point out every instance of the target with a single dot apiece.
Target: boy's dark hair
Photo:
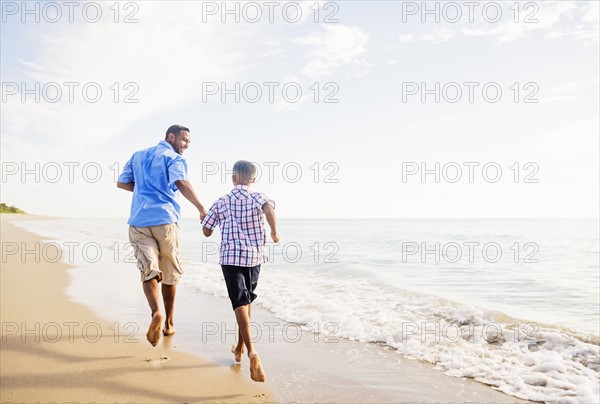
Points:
(245, 170)
(176, 130)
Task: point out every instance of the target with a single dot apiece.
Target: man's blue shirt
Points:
(154, 172)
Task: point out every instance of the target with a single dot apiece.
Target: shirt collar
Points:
(245, 187)
(164, 143)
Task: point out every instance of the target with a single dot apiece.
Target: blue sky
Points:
(351, 154)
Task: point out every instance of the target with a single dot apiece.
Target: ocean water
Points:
(511, 303)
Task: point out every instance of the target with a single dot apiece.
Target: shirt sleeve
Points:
(127, 174)
(261, 199)
(177, 171)
(211, 220)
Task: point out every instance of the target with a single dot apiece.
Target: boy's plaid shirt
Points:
(240, 216)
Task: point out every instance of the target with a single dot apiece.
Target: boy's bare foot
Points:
(237, 353)
(168, 330)
(256, 371)
(153, 334)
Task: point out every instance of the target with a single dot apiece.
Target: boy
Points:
(240, 215)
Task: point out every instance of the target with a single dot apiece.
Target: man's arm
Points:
(186, 189)
(126, 187)
(272, 220)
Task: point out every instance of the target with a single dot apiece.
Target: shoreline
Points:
(56, 350)
(311, 369)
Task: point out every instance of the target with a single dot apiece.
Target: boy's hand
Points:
(270, 215)
(206, 231)
(275, 236)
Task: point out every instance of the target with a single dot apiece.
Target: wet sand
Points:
(56, 350)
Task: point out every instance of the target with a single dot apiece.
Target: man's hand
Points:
(202, 214)
(275, 236)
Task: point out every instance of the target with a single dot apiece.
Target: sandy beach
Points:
(412, 187)
(56, 350)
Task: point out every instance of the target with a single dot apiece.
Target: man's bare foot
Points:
(168, 330)
(237, 353)
(153, 334)
(256, 371)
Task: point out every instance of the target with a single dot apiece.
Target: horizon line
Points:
(331, 218)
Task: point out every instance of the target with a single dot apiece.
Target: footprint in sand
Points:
(158, 360)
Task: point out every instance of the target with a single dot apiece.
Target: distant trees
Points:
(4, 208)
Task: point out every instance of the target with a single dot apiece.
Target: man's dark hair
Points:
(176, 130)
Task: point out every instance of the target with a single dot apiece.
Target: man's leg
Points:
(151, 292)
(168, 294)
(242, 316)
(167, 236)
(146, 252)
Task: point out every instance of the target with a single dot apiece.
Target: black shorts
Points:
(241, 283)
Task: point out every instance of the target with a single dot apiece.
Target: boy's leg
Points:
(168, 294)
(241, 282)
(151, 292)
(238, 349)
(243, 319)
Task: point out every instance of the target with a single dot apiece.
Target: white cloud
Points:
(167, 54)
(581, 33)
(357, 74)
(565, 19)
(564, 91)
(283, 105)
(30, 65)
(586, 31)
(439, 35)
(559, 18)
(568, 87)
(337, 46)
(557, 98)
(475, 32)
(592, 12)
(406, 38)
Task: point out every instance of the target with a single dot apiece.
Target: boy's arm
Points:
(186, 189)
(211, 220)
(272, 220)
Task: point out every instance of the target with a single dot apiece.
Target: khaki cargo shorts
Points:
(156, 249)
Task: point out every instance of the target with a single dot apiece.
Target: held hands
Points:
(275, 236)
(202, 214)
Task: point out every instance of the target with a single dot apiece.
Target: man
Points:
(154, 176)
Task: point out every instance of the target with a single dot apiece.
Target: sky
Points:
(350, 109)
